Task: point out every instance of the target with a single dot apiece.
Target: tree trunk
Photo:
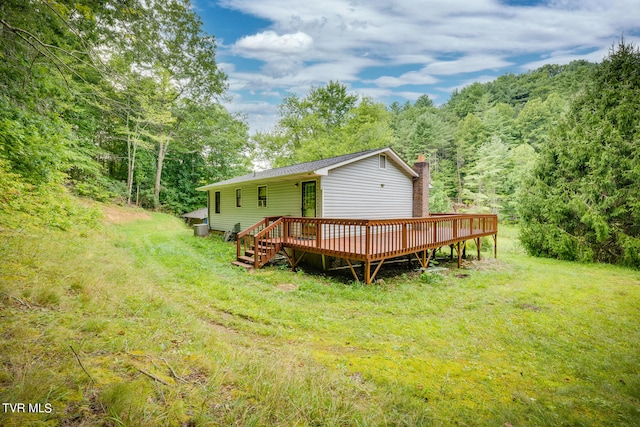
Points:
(162, 152)
(132, 148)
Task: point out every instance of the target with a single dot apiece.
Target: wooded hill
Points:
(120, 100)
(479, 143)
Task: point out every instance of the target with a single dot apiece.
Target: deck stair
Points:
(258, 244)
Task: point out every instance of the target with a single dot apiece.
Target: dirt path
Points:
(120, 215)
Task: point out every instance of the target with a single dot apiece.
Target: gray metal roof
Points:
(301, 168)
(198, 214)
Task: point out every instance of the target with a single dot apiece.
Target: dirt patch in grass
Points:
(287, 287)
(120, 215)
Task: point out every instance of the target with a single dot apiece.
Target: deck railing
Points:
(370, 239)
(363, 239)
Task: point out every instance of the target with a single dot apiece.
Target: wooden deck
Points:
(362, 240)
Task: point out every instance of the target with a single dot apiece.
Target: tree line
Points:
(479, 144)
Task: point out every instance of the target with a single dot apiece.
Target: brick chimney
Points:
(421, 188)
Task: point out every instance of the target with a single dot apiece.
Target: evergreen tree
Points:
(582, 201)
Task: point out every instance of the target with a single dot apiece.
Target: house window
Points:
(262, 196)
(238, 197)
(382, 161)
(217, 202)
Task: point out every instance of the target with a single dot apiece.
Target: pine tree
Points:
(582, 201)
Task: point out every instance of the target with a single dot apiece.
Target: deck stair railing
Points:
(246, 244)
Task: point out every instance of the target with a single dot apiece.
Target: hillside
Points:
(133, 321)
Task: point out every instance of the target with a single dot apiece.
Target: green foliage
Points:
(104, 91)
(25, 206)
(482, 142)
(34, 145)
(326, 123)
(581, 202)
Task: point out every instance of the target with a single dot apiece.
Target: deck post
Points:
(367, 272)
(285, 232)
(404, 236)
(256, 253)
(435, 231)
(462, 246)
(479, 245)
(318, 235)
(495, 245)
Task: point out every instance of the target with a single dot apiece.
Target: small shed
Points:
(199, 216)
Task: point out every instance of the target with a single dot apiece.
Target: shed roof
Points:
(317, 167)
(197, 214)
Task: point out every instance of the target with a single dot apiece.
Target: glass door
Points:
(309, 199)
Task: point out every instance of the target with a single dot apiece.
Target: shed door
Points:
(309, 199)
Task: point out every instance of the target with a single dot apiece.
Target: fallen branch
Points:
(80, 363)
(176, 376)
(153, 377)
(26, 304)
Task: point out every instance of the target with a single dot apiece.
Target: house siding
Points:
(283, 198)
(363, 190)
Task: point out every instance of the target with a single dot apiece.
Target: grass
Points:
(166, 332)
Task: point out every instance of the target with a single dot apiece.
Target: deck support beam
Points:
(355, 275)
(495, 246)
(426, 257)
(367, 272)
(298, 261)
(373, 276)
(292, 259)
(461, 247)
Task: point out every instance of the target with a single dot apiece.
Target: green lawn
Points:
(143, 324)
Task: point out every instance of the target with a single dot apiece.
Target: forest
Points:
(121, 101)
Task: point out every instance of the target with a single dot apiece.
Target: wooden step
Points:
(253, 255)
(269, 245)
(242, 264)
(246, 259)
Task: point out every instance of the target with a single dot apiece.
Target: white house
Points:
(372, 184)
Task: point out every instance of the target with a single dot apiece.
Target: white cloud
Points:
(467, 64)
(268, 43)
(561, 58)
(310, 43)
(410, 78)
(260, 115)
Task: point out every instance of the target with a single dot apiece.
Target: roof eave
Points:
(397, 159)
(259, 179)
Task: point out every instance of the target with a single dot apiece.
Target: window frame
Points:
(217, 202)
(382, 161)
(263, 203)
(238, 197)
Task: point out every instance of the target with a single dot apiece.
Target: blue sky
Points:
(402, 49)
